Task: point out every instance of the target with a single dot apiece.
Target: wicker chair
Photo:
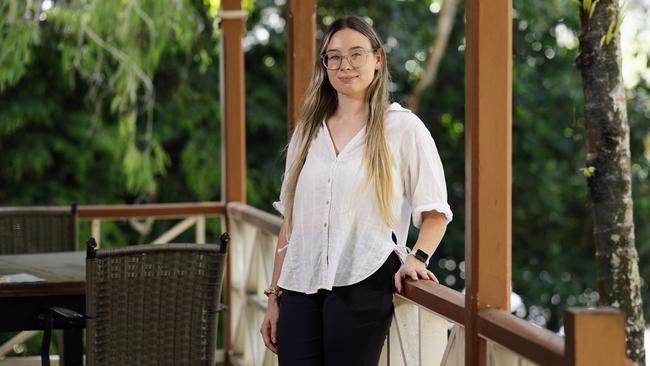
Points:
(26, 230)
(153, 304)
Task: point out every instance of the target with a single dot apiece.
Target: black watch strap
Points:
(422, 256)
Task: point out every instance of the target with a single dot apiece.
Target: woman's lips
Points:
(346, 79)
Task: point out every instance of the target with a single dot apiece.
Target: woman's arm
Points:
(270, 322)
(280, 252)
(432, 230)
(434, 225)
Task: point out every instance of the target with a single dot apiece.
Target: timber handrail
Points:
(254, 216)
(169, 210)
(533, 342)
(438, 298)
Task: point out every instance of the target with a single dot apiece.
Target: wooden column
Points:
(302, 53)
(233, 131)
(594, 337)
(488, 172)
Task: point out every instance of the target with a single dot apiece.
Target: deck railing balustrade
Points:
(428, 325)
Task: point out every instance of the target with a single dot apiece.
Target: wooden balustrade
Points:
(423, 315)
(429, 323)
(254, 236)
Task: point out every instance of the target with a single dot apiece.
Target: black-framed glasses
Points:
(358, 57)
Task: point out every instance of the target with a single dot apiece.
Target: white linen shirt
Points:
(338, 236)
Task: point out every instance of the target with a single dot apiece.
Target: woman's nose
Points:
(347, 61)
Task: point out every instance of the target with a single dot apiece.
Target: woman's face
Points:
(344, 47)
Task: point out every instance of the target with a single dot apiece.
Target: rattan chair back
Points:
(153, 304)
(25, 230)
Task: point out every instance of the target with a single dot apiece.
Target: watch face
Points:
(421, 255)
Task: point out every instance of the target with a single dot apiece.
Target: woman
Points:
(357, 169)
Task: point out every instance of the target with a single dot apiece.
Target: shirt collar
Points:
(396, 107)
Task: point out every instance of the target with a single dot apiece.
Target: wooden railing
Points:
(193, 214)
(423, 315)
(428, 326)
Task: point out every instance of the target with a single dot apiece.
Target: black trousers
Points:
(341, 327)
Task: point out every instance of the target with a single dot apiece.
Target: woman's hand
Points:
(270, 324)
(414, 269)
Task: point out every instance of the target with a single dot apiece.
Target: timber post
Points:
(488, 165)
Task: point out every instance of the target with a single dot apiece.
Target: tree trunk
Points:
(443, 30)
(608, 167)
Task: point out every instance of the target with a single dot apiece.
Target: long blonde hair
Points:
(321, 102)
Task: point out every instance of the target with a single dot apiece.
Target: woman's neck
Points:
(349, 107)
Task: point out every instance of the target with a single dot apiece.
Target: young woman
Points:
(357, 170)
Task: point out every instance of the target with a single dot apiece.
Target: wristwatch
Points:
(422, 256)
(273, 291)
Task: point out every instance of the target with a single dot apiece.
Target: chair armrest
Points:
(71, 317)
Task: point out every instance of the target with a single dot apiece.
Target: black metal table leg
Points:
(72, 347)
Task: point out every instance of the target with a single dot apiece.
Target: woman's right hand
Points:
(270, 324)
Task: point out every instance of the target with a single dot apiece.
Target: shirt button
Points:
(329, 180)
(325, 225)
(327, 202)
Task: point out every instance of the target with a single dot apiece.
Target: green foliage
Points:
(20, 28)
(551, 214)
(109, 114)
(613, 29)
(588, 6)
(589, 171)
(116, 65)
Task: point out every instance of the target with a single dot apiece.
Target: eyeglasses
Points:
(357, 58)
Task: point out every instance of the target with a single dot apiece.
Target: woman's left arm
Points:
(432, 230)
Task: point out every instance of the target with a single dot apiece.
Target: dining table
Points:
(32, 283)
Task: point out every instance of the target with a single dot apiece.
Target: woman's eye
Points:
(355, 56)
(334, 58)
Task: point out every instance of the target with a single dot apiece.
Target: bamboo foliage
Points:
(117, 64)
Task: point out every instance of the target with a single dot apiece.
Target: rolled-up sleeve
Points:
(279, 205)
(425, 184)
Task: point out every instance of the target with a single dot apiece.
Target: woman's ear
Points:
(379, 58)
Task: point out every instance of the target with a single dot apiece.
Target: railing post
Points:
(96, 230)
(233, 135)
(302, 46)
(200, 229)
(594, 337)
(488, 162)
